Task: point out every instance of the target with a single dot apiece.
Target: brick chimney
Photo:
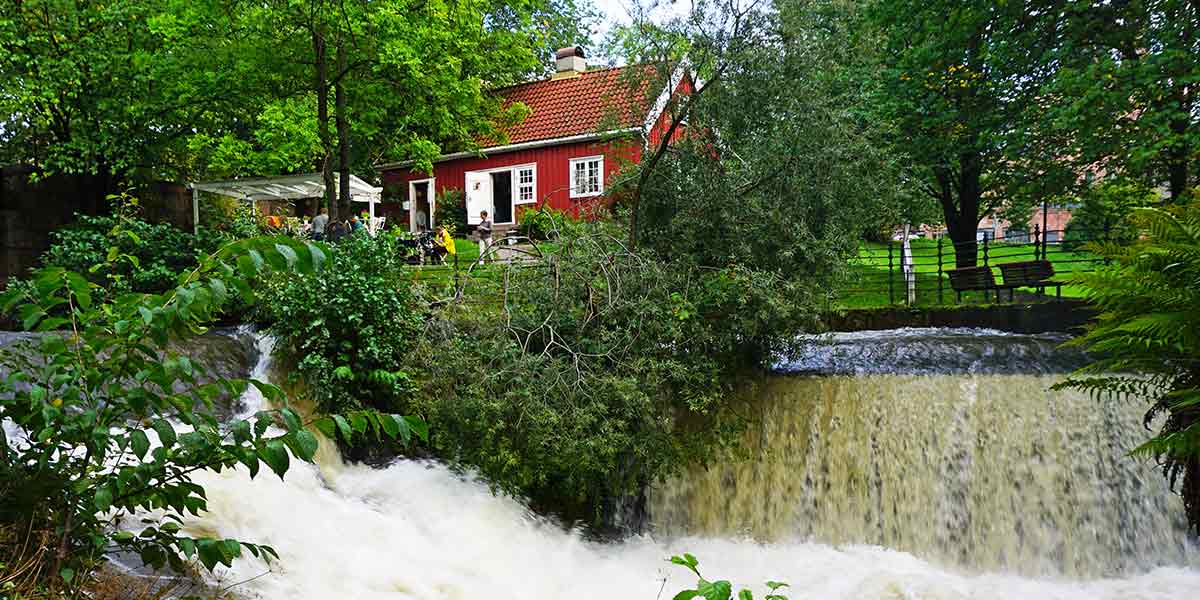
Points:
(570, 62)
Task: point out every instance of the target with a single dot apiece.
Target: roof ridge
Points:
(551, 79)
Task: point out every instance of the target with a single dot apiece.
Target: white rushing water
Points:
(417, 530)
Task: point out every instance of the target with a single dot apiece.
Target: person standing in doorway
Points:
(318, 225)
(484, 231)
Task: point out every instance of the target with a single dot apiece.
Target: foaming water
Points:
(417, 530)
(929, 351)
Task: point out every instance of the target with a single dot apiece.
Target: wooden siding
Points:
(553, 172)
(553, 169)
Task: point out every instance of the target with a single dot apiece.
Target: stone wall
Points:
(29, 211)
(1041, 317)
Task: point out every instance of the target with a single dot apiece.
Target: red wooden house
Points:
(583, 125)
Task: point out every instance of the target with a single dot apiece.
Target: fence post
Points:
(939, 246)
(1037, 242)
(891, 292)
(985, 249)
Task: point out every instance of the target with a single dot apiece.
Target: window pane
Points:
(580, 177)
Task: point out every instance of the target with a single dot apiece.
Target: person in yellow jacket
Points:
(445, 242)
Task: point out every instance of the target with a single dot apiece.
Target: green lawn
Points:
(468, 253)
(868, 284)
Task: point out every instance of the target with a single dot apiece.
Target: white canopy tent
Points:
(286, 187)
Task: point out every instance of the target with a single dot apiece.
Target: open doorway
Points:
(502, 197)
(500, 191)
(421, 205)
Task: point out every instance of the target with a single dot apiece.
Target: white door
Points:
(479, 195)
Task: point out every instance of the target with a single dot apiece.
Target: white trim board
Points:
(483, 152)
(514, 190)
(664, 97)
(599, 176)
(412, 202)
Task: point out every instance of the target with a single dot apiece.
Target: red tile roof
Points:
(575, 106)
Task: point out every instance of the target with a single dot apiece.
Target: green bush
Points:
(1104, 211)
(230, 217)
(349, 329)
(541, 223)
(588, 377)
(451, 210)
(160, 251)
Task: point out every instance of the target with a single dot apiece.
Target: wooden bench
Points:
(966, 279)
(1031, 274)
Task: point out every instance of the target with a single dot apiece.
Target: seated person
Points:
(443, 244)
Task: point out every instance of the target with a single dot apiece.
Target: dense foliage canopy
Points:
(174, 89)
(1101, 212)
(999, 106)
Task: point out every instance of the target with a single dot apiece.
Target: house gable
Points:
(596, 115)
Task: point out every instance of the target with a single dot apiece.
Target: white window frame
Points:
(575, 193)
(514, 191)
(533, 198)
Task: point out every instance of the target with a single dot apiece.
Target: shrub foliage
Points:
(157, 252)
(348, 329)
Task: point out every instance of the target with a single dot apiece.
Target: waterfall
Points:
(877, 487)
(988, 472)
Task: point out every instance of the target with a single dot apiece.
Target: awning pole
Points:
(195, 211)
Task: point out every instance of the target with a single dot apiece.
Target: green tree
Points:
(959, 85)
(1103, 212)
(407, 80)
(1147, 339)
(601, 371)
(115, 88)
(770, 175)
(175, 89)
(1126, 97)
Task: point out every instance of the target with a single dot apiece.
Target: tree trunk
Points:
(1177, 162)
(343, 129)
(321, 87)
(970, 169)
(959, 196)
(966, 247)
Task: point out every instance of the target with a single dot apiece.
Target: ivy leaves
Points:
(718, 590)
(355, 424)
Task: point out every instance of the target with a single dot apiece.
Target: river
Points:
(917, 464)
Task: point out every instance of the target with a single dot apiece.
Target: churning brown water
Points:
(985, 472)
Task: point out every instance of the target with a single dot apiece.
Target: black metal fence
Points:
(888, 273)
